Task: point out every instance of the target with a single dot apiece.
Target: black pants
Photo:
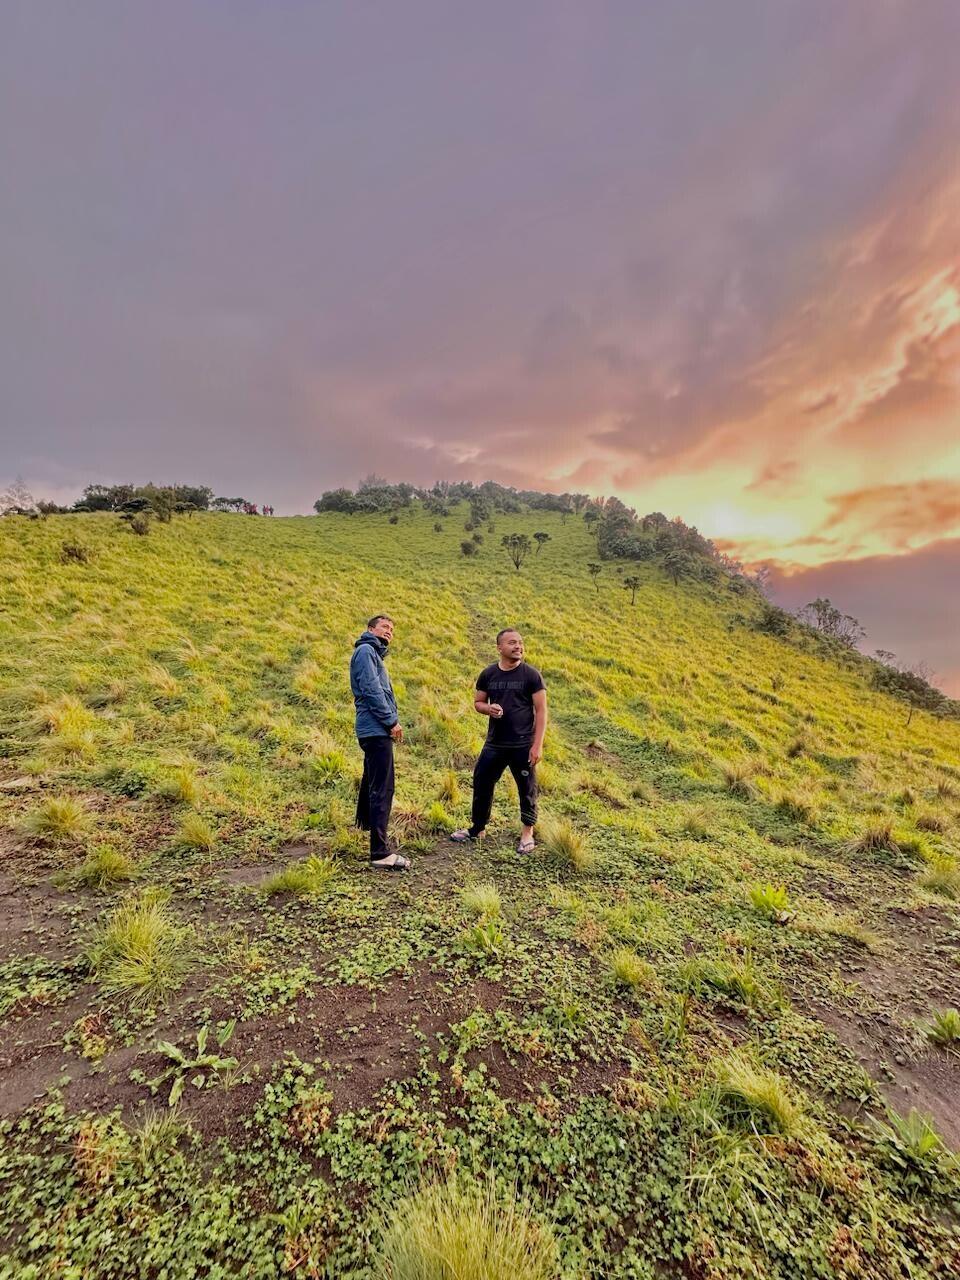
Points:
(376, 793)
(486, 774)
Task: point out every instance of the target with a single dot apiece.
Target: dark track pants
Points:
(376, 793)
(486, 774)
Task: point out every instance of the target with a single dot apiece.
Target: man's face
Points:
(383, 628)
(511, 646)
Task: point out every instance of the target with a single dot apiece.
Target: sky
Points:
(704, 256)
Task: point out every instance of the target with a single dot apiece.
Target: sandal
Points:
(463, 837)
(526, 846)
(400, 863)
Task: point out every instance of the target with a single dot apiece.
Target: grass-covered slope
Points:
(687, 1037)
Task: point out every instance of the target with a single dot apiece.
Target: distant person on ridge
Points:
(378, 728)
(513, 695)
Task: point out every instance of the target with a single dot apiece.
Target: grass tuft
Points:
(196, 833)
(482, 900)
(106, 866)
(461, 1231)
(942, 876)
(567, 845)
(944, 1028)
(877, 838)
(59, 819)
(749, 1097)
(631, 970)
(141, 949)
(305, 879)
(770, 900)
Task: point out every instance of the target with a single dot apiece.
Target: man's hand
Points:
(494, 709)
(396, 733)
(536, 754)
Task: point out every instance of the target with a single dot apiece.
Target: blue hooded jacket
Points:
(373, 693)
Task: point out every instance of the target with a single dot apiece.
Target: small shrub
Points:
(104, 867)
(478, 539)
(912, 1148)
(141, 949)
(348, 842)
(631, 970)
(482, 900)
(58, 819)
(461, 1231)
(468, 547)
(438, 527)
(942, 876)
(749, 1097)
(944, 1028)
(567, 845)
(140, 524)
(394, 519)
(196, 833)
(75, 553)
(770, 900)
(305, 879)
(798, 806)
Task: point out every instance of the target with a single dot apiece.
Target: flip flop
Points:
(462, 837)
(401, 864)
(526, 846)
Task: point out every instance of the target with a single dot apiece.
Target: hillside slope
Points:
(683, 1032)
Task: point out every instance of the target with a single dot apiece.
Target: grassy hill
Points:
(694, 1035)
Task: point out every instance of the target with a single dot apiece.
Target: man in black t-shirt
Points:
(513, 695)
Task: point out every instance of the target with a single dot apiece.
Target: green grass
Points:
(180, 703)
(944, 1028)
(61, 818)
(306, 879)
(140, 949)
(750, 1097)
(461, 1231)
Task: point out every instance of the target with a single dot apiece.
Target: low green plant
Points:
(770, 900)
(486, 937)
(328, 766)
(911, 1147)
(944, 1028)
(482, 900)
(179, 787)
(459, 1230)
(201, 1067)
(141, 949)
(450, 787)
(568, 846)
(59, 819)
(306, 879)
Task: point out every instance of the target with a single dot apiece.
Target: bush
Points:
(468, 547)
(461, 1231)
(75, 553)
(942, 876)
(631, 970)
(770, 900)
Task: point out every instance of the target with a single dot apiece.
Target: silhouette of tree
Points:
(540, 539)
(631, 584)
(594, 572)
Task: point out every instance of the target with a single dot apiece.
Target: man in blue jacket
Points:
(378, 728)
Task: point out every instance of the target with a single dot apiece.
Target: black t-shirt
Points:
(513, 690)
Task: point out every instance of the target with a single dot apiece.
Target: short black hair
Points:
(505, 632)
(378, 617)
